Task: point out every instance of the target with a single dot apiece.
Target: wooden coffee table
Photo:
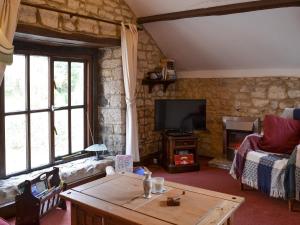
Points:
(118, 200)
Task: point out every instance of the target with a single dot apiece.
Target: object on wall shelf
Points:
(152, 83)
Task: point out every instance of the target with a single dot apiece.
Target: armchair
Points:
(272, 173)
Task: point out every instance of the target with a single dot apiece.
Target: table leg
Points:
(229, 221)
(73, 214)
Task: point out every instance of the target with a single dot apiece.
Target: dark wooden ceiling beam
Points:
(221, 10)
(30, 33)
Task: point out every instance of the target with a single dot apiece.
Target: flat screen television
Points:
(181, 115)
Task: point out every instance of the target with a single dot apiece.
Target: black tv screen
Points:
(180, 115)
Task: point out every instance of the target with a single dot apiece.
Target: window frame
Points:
(55, 53)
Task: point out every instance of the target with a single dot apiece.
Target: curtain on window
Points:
(129, 42)
(8, 24)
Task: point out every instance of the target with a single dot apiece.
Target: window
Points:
(45, 101)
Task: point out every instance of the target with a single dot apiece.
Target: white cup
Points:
(158, 184)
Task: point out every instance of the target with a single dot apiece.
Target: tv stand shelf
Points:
(174, 144)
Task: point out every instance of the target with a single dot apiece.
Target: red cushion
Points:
(3, 222)
(280, 135)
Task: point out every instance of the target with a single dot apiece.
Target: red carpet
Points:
(257, 210)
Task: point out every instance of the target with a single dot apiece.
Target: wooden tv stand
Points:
(172, 145)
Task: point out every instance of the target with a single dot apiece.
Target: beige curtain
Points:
(8, 24)
(129, 42)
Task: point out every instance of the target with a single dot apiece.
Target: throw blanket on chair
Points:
(260, 170)
(249, 144)
(292, 178)
(265, 172)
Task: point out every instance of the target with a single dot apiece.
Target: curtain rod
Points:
(39, 6)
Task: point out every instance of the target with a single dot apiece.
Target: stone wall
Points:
(225, 97)
(237, 97)
(111, 97)
(106, 9)
(111, 106)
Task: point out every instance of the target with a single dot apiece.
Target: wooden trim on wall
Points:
(221, 10)
(30, 33)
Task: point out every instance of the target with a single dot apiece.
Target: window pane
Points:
(15, 143)
(77, 83)
(39, 82)
(15, 85)
(77, 130)
(61, 82)
(61, 138)
(39, 139)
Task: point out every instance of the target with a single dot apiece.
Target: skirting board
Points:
(239, 73)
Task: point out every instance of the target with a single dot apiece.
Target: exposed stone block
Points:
(274, 104)
(111, 3)
(88, 26)
(117, 53)
(117, 73)
(112, 116)
(106, 54)
(108, 29)
(106, 73)
(277, 92)
(74, 4)
(119, 129)
(49, 18)
(260, 102)
(111, 63)
(117, 101)
(92, 9)
(27, 14)
(68, 23)
(294, 93)
(127, 13)
(114, 87)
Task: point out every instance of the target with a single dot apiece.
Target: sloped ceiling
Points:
(261, 43)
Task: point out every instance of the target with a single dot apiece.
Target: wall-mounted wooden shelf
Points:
(152, 83)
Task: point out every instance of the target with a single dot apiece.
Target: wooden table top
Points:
(122, 196)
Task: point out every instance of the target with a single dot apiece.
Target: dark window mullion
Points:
(85, 111)
(28, 124)
(69, 109)
(26, 111)
(51, 118)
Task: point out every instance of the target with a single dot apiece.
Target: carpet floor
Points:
(258, 209)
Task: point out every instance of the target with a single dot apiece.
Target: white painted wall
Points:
(262, 43)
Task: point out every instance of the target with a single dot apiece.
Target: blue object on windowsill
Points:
(139, 171)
